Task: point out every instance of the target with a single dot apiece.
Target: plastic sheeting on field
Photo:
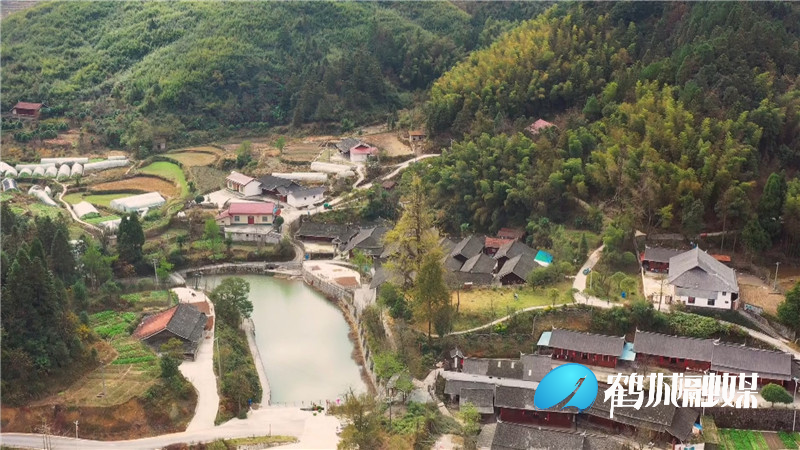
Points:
(77, 169)
(103, 165)
(60, 161)
(38, 192)
(304, 176)
(137, 202)
(51, 172)
(38, 171)
(84, 208)
(329, 168)
(4, 167)
(48, 191)
(26, 172)
(64, 171)
(9, 184)
(117, 158)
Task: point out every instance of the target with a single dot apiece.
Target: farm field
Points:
(141, 183)
(101, 219)
(731, 439)
(95, 199)
(196, 156)
(169, 171)
(301, 151)
(476, 305)
(390, 143)
(133, 369)
(207, 179)
(754, 291)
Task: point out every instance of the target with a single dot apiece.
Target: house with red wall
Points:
(585, 348)
(675, 353)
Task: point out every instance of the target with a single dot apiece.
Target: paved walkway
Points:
(200, 373)
(87, 225)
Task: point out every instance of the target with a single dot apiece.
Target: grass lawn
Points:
(790, 440)
(169, 171)
(732, 439)
(95, 199)
(476, 305)
(149, 299)
(100, 219)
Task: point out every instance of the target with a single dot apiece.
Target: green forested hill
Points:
(674, 114)
(139, 69)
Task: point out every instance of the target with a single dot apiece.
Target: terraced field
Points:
(133, 369)
(169, 171)
(141, 183)
(198, 156)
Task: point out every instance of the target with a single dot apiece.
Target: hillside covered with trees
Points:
(132, 72)
(673, 114)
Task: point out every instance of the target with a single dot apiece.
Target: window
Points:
(585, 355)
(711, 301)
(235, 218)
(673, 360)
(265, 218)
(691, 300)
(724, 294)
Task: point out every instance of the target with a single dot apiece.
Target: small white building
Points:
(361, 152)
(702, 281)
(305, 196)
(137, 203)
(242, 184)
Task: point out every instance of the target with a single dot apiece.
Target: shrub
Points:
(774, 393)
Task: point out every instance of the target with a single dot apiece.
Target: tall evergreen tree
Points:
(431, 296)
(37, 250)
(130, 239)
(63, 261)
(770, 206)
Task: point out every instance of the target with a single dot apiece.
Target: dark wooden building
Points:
(183, 322)
(515, 404)
(656, 259)
(586, 348)
(675, 353)
(26, 110)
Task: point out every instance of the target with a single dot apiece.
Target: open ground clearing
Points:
(756, 292)
(140, 183)
(301, 151)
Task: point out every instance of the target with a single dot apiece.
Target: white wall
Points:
(299, 202)
(722, 301)
(251, 188)
(358, 157)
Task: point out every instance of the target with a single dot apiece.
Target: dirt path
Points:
(89, 226)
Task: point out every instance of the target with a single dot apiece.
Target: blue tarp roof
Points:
(627, 352)
(544, 258)
(544, 340)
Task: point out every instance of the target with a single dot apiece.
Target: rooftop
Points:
(239, 178)
(698, 269)
(672, 346)
(588, 343)
(252, 208)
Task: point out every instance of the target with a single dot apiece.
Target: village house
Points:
(511, 233)
(467, 248)
(492, 244)
(368, 240)
(277, 187)
(476, 271)
(26, 110)
(516, 270)
(242, 184)
(389, 185)
(362, 152)
(259, 213)
(416, 135)
(324, 239)
(702, 281)
(656, 259)
(513, 249)
(300, 197)
(771, 366)
(346, 144)
(183, 322)
(673, 352)
(583, 348)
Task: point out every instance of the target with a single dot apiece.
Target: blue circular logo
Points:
(573, 382)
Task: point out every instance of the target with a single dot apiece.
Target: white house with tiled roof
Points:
(700, 280)
(242, 184)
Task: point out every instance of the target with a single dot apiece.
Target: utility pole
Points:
(794, 397)
(775, 286)
(155, 271)
(76, 434)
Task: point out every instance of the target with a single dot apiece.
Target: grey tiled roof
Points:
(346, 144)
(535, 367)
(520, 437)
(513, 249)
(482, 398)
(486, 436)
(480, 263)
(658, 254)
(514, 397)
(369, 240)
(477, 279)
(468, 247)
(738, 359)
(185, 322)
(505, 368)
(698, 269)
(454, 387)
(334, 231)
(308, 191)
(520, 265)
(672, 346)
(477, 366)
(271, 183)
(587, 342)
(682, 423)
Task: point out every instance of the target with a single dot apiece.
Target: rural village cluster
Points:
(163, 235)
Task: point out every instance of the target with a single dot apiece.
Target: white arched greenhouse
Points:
(84, 209)
(63, 171)
(103, 165)
(38, 171)
(77, 169)
(51, 172)
(138, 202)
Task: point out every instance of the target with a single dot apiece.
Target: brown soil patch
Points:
(194, 158)
(139, 183)
(773, 441)
(756, 292)
(132, 419)
(390, 143)
(301, 151)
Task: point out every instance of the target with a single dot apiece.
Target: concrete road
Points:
(313, 432)
(580, 278)
(200, 373)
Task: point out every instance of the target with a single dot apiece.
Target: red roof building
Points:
(183, 322)
(261, 213)
(491, 244)
(26, 110)
(360, 152)
(511, 233)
